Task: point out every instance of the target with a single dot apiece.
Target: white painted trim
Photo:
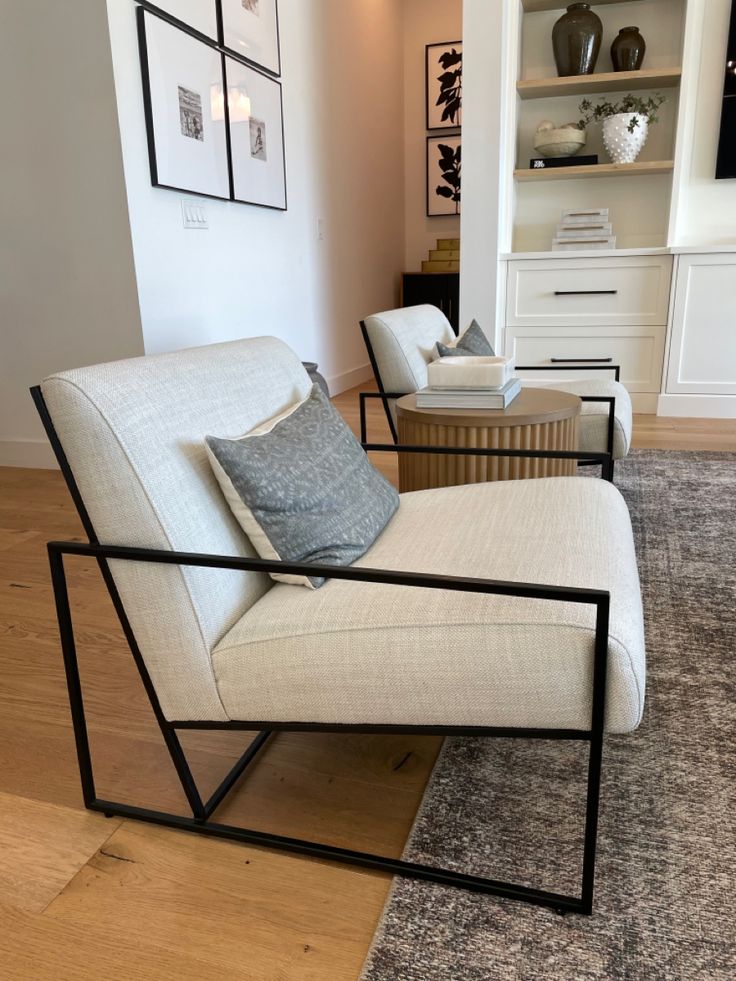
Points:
(349, 379)
(644, 403)
(32, 453)
(697, 406)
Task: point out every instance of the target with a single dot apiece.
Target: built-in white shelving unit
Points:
(638, 195)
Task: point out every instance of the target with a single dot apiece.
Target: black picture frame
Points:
(451, 105)
(157, 168)
(448, 177)
(161, 9)
(275, 199)
(270, 62)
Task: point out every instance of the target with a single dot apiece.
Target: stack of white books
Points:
(580, 230)
(469, 383)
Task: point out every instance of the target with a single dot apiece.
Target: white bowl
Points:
(458, 372)
(562, 142)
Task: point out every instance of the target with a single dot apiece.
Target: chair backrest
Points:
(133, 433)
(403, 344)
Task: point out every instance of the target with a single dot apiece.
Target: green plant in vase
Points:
(625, 123)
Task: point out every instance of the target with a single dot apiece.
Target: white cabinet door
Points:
(702, 359)
(627, 291)
(638, 350)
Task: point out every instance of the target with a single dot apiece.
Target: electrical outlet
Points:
(194, 214)
(320, 229)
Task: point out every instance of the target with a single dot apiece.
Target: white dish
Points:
(469, 372)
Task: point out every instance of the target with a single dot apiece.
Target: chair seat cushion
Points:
(594, 416)
(397, 655)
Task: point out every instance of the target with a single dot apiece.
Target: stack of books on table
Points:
(469, 398)
(581, 230)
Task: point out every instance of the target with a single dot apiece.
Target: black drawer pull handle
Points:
(581, 360)
(586, 292)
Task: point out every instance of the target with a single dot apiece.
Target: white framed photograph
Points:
(199, 15)
(187, 140)
(256, 136)
(444, 165)
(444, 85)
(250, 29)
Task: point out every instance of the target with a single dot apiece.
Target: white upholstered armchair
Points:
(523, 619)
(401, 343)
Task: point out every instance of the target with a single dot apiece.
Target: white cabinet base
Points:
(697, 406)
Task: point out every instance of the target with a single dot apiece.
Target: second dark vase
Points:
(628, 50)
(576, 40)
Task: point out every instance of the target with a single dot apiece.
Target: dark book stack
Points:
(547, 163)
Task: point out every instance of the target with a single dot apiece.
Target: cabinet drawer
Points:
(627, 291)
(638, 350)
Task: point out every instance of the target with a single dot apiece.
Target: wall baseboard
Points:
(697, 406)
(349, 379)
(32, 453)
(644, 403)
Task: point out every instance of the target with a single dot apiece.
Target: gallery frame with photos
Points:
(214, 118)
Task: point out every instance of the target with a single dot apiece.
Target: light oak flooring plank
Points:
(42, 847)
(35, 947)
(237, 908)
(183, 907)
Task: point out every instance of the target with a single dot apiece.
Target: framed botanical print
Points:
(444, 85)
(256, 136)
(199, 15)
(187, 140)
(250, 29)
(444, 159)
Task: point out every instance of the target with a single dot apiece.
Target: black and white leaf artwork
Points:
(450, 163)
(451, 86)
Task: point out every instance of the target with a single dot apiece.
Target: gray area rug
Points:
(665, 906)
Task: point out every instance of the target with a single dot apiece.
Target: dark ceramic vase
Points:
(628, 50)
(576, 40)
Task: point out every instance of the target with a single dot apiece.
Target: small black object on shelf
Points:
(547, 163)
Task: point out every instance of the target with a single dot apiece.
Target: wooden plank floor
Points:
(85, 898)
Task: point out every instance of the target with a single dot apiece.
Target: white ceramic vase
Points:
(624, 147)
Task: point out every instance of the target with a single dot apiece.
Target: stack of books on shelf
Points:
(580, 230)
(469, 383)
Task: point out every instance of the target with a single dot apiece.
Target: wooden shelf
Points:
(639, 169)
(646, 78)
(532, 6)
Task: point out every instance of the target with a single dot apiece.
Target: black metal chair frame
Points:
(202, 810)
(581, 364)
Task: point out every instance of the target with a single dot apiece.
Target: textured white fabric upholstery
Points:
(389, 654)
(594, 418)
(403, 343)
(133, 432)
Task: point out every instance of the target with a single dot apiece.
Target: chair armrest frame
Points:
(201, 812)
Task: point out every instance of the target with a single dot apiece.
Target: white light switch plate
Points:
(194, 214)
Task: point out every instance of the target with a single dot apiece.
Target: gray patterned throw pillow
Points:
(303, 489)
(472, 344)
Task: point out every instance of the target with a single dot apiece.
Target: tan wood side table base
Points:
(546, 424)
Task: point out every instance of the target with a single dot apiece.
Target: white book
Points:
(571, 245)
(604, 230)
(584, 217)
(429, 398)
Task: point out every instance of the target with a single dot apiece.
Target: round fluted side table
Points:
(537, 419)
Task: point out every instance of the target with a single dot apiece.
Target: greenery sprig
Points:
(647, 109)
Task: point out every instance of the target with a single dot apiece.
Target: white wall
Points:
(67, 286)
(485, 133)
(707, 213)
(425, 22)
(262, 272)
